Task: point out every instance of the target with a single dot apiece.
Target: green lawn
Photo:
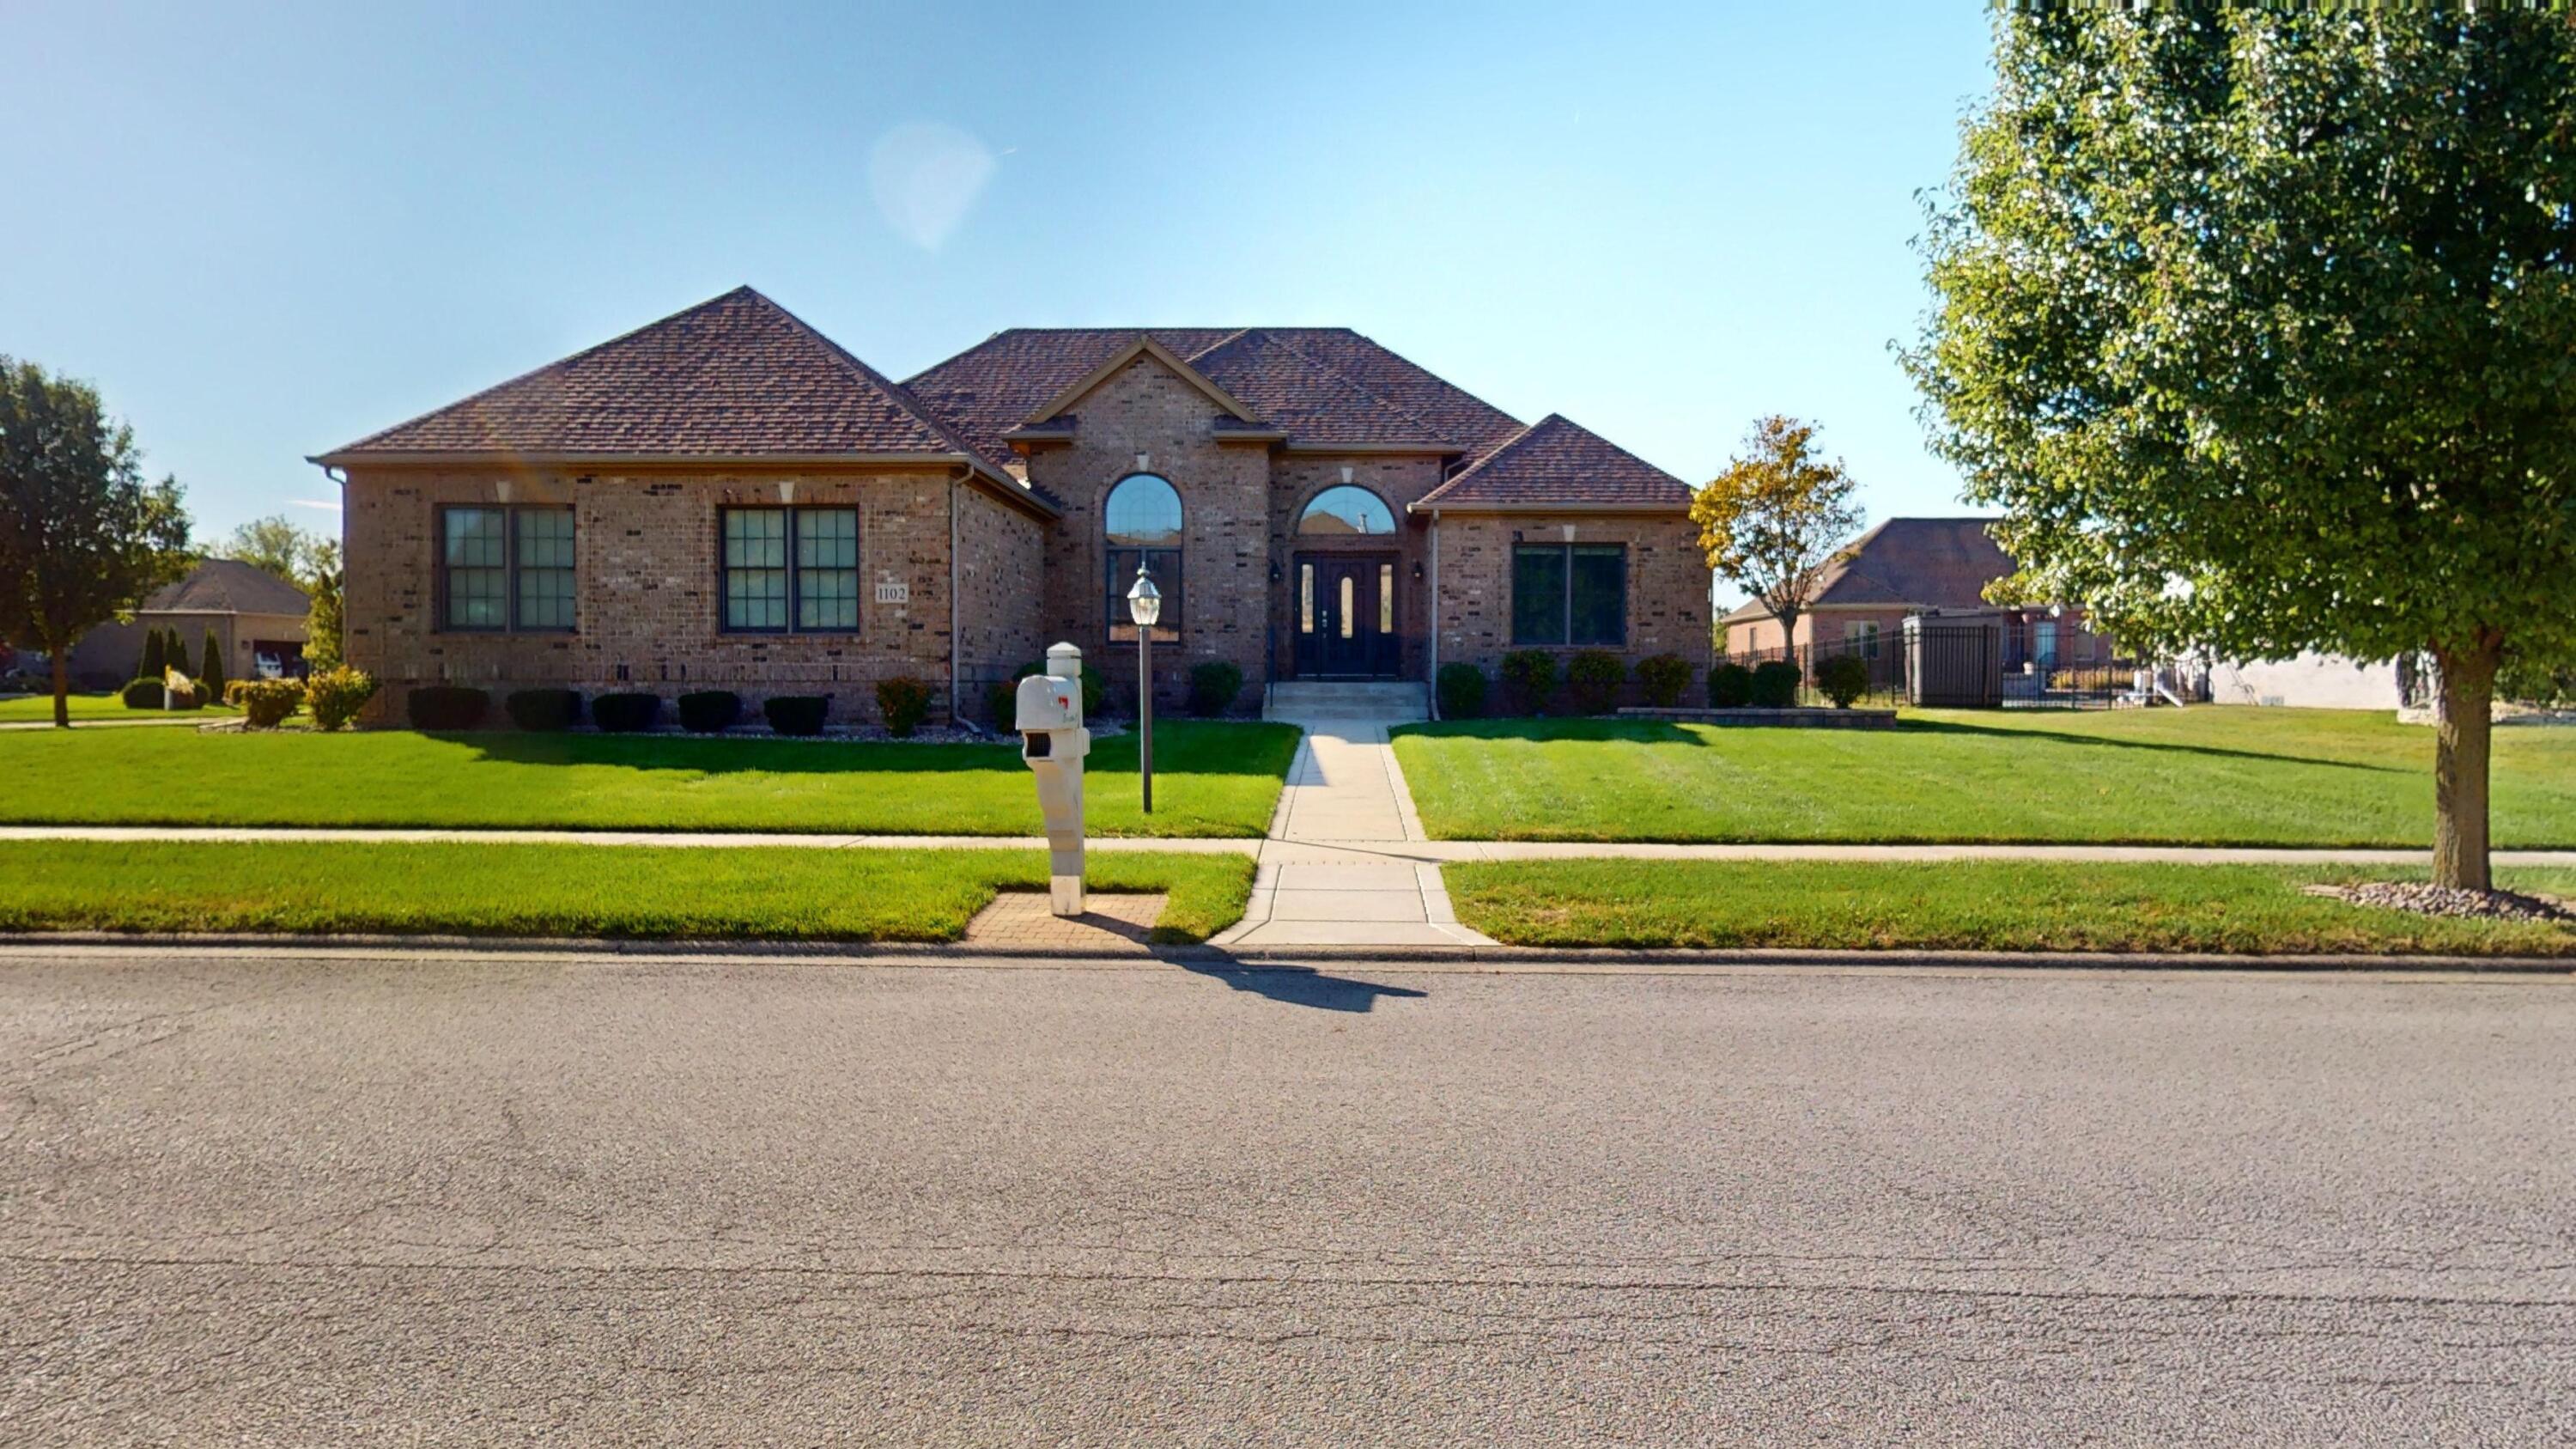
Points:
(39, 709)
(2211, 776)
(1210, 779)
(1969, 905)
(763, 892)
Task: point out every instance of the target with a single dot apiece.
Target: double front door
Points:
(1345, 616)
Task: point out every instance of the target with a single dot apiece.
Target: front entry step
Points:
(1387, 700)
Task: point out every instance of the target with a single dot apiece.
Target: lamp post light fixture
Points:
(1145, 608)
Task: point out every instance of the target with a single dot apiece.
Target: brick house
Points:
(728, 499)
(1911, 566)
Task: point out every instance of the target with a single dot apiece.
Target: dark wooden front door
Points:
(1345, 616)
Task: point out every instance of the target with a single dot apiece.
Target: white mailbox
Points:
(1048, 711)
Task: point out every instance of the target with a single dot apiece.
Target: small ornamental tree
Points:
(210, 667)
(155, 658)
(2256, 322)
(1776, 517)
(322, 582)
(82, 536)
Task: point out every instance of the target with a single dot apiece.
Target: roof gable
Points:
(1555, 463)
(1938, 563)
(737, 376)
(1143, 346)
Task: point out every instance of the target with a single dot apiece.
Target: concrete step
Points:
(1387, 700)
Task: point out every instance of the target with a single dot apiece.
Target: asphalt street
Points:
(454, 1199)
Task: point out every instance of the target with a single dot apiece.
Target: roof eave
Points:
(1296, 445)
(1000, 483)
(1567, 506)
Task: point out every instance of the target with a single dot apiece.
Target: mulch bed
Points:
(2425, 899)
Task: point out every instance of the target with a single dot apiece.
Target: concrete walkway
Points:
(1333, 872)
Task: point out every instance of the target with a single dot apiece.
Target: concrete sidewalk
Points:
(1285, 851)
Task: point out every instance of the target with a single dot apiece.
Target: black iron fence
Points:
(1993, 664)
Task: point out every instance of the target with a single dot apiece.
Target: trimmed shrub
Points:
(1529, 680)
(1662, 679)
(904, 702)
(1002, 705)
(626, 714)
(544, 710)
(265, 703)
(1775, 684)
(1214, 686)
(143, 694)
(1593, 677)
(446, 706)
(1730, 686)
(210, 668)
(797, 714)
(1842, 678)
(336, 695)
(1462, 691)
(709, 711)
(156, 658)
(1095, 686)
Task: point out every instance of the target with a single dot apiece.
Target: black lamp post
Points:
(1145, 607)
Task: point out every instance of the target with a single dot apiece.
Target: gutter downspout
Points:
(956, 697)
(1431, 612)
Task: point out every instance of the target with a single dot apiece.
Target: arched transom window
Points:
(1143, 522)
(1348, 511)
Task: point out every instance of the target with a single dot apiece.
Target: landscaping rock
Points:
(2425, 899)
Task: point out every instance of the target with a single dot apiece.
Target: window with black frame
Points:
(1570, 593)
(505, 569)
(790, 570)
(1142, 527)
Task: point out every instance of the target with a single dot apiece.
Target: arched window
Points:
(1143, 522)
(1347, 511)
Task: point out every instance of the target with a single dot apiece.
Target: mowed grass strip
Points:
(1210, 779)
(1979, 905)
(2206, 776)
(771, 893)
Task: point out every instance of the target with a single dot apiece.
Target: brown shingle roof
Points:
(1928, 563)
(735, 377)
(1321, 385)
(1555, 462)
(228, 586)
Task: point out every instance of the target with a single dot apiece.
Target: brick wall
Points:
(1668, 584)
(1146, 408)
(648, 615)
(1002, 557)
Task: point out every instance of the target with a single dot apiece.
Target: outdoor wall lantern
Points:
(1145, 609)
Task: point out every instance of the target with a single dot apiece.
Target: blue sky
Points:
(265, 231)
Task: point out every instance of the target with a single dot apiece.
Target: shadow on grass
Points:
(1303, 986)
(2221, 752)
(1180, 748)
(1546, 730)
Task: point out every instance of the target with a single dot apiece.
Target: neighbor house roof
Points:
(1925, 563)
(737, 378)
(1321, 386)
(1554, 463)
(228, 586)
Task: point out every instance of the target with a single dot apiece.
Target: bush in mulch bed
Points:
(797, 714)
(544, 710)
(709, 711)
(446, 706)
(626, 714)
(1730, 686)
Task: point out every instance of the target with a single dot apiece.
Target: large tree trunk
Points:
(2462, 729)
(62, 689)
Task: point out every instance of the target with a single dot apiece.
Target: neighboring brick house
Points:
(1908, 566)
(726, 498)
(258, 619)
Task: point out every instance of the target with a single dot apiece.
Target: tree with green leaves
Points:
(1779, 513)
(82, 536)
(2260, 325)
(323, 583)
(278, 545)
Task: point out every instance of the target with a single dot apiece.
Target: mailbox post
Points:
(1054, 742)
